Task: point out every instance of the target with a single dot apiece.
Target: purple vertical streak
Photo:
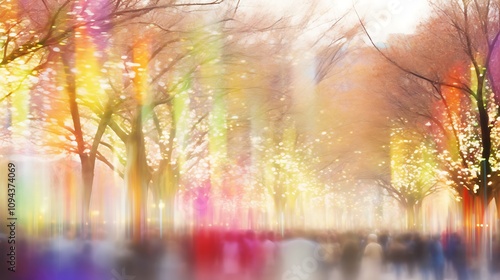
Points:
(201, 199)
(494, 70)
(95, 14)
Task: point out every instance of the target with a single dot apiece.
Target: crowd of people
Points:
(330, 255)
(214, 254)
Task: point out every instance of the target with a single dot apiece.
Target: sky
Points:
(382, 17)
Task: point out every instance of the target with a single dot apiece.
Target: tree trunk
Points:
(473, 213)
(166, 186)
(87, 160)
(410, 217)
(497, 204)
(86, 167)
(279, 206)
(409, 209)
(417, 208)
(168, 175)
(137, 179)
(88, 181)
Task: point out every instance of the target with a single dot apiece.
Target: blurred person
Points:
(25, 261)
(421, 255)
(44, 268)
(410, 259)
(397, 252)
(445, 241)
(64, 250)
(4, 247)
(330, 253)
(458, 256)
(372, 258)
(231, 252)
(186, 254)
(350, 258)
(204, 248)
(102, 251)
(126, 260)
(86, 268)
(437, 258)
(66, 246)
(172, 264)
(141, 261)
(384, 240)
(251, 259)
(495, 258)
(299, 259)
(269, 251)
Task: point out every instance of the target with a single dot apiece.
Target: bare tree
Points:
(451, 60)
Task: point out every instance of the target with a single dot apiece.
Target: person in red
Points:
(204, 248)
(249, 253)
(269, 255)
(230, 265)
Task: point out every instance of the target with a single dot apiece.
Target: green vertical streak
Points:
(428, 163)
(19, 111)
(181, 117)
(473, 79)
(257, 123)
(218, 129)
(212, 71)
(395, 154)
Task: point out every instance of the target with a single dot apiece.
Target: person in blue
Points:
(350, 257)
(458, 256)
(495, 257)
(398, 255)
(437, 259)
(421, 255)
